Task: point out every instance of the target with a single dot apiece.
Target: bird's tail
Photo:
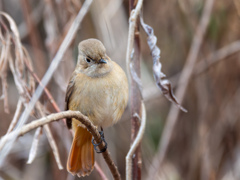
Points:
(81, 157)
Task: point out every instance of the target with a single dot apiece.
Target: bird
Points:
(98, 88)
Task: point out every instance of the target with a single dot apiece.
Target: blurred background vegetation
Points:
(205, 141)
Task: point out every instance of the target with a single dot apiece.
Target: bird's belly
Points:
(104, 107)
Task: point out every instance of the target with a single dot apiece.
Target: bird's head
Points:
(92, 58)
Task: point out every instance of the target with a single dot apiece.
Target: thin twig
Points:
(50, 137)
(49, 95)
(56, 60)
(200, 67)
(181, 91)
(66, 114)
(136, 143)
(237, 5)
(216, 56)
(132, 24)
(53, 145)
(100, 172)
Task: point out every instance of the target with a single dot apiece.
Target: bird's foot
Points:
(102, 140)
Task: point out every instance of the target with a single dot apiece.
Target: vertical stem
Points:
(135, 98)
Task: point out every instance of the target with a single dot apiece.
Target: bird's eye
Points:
(88, 59)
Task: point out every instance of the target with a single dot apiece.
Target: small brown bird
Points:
(98, 88)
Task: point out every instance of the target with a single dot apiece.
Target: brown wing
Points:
(68, 95)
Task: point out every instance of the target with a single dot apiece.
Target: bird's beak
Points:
(102, 61)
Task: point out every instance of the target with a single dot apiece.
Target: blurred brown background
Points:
(205, 141)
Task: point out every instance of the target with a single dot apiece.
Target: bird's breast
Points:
(102, 99)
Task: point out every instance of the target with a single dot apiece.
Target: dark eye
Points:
(88, 59)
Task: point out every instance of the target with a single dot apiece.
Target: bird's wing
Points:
(67, 97)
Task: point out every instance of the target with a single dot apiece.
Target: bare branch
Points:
(136, 143)
(57, 116)
(132, 24)
(216, 56)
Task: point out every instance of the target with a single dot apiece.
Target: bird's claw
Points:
(102, 140)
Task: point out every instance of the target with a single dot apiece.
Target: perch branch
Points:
(66, 114)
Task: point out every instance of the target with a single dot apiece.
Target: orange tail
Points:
(81, 157)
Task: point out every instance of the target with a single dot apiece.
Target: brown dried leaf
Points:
(160, 78)
(3, 70)
(18, 44)
(53, 145)
(31, 81)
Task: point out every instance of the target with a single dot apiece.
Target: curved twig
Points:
(66, 114)
(135, 143)
(132, 24)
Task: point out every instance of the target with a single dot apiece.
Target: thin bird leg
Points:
(102, 140)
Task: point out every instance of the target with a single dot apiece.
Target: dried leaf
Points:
(3, 70)
(18, 44)
(53, 145)
(34, 147)
(160, 78)
(31, 81)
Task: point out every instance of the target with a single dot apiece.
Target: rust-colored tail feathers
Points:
(81, 157)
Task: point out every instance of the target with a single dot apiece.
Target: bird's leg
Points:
(102, 139)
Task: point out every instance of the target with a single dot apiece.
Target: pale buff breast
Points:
(102, 99)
